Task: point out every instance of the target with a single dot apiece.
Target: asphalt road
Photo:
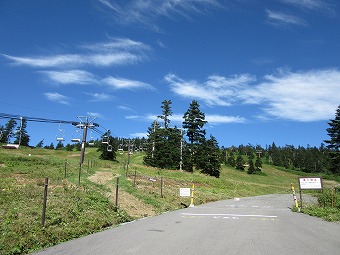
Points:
(255, 225)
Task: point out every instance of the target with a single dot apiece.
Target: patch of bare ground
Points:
(127, 202)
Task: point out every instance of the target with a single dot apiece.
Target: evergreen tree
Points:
(60, 145)
(194, 121)
(108, 150)
(8, 131)
(231, 159)
(334, 142)
(258, 164)
(240, 163)
(166, 113)
(40, 144)
(21, 135)
(208, 157)
(251, 168)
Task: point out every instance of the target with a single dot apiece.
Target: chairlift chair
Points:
(105, 139)
(75, 139)
(120, 149)
(60, 134)
(91, 142)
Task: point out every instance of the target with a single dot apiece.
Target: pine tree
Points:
(166, 106)
(334, 142)
(258, 164)
(239, 163)
(8, 131)
(208, 157)
(40, 144)
(194, 121)
(21, 135)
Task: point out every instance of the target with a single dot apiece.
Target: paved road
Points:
(257, 225)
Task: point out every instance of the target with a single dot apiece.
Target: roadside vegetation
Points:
(75, 210)
(148, 174)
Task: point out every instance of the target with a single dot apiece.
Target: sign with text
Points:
(184, 192)
(310, 183)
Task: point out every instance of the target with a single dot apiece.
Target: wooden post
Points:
(161, 187)
(134, 178)
(79, 174)
(333, 191)
(44, 203)
(117, 181)
(65, 169)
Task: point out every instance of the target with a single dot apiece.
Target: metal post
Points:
(83, 142)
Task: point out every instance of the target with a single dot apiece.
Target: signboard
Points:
(184, 192)
(310, 183)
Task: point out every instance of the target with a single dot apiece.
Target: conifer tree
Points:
(334, 142)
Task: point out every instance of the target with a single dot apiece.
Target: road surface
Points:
(256, 225)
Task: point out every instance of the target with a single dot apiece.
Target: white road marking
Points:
(229, 215)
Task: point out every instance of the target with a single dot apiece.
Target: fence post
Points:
(79, 174)
(161, 187)
(117, 181)
(134, 178)
(65, 169)
(44, 203)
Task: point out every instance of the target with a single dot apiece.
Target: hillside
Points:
(74, 210)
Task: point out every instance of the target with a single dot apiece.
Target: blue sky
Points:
(262, 71)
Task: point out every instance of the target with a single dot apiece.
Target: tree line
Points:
(187, 148)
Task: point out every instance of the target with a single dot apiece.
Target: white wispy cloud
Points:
(298, 96)
(94, 114)
(116, 51)
(219, 119)
(71, 76)
(121, 83)
(280, 18)
(99, 97)
(216, 90)
(310, 4)
(146, 12)
(58, 98)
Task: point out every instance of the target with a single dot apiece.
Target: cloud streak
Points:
(300, 96)
(121, 83)
(119, 51)
(58, 98)
(146, 12)
(280, 18)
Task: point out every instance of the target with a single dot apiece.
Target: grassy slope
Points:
(73, 211)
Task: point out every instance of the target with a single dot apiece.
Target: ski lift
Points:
(91, 142)
(109, 148)
(14, 145)
(105, 139)
(75, 138)
(120, 149)
(60, 134)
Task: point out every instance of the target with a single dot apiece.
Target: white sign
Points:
(184, 192)
(310, 183)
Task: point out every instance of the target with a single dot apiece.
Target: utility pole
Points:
(181, 157)
(84, 123)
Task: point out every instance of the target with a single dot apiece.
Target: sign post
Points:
(310, 183)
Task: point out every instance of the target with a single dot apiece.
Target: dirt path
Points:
(133, 206)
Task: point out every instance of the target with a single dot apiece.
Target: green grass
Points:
(74, 211)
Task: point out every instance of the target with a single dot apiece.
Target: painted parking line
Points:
(228, 215)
